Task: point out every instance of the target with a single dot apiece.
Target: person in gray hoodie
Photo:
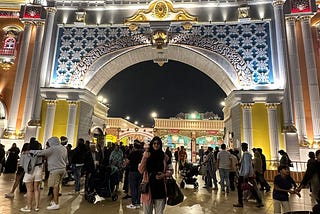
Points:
(57, 161)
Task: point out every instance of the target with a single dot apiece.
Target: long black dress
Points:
(12, 160)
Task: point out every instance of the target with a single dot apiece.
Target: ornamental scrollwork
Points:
(243, 72)
(92, 56)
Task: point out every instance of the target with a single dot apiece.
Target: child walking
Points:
(283, 183)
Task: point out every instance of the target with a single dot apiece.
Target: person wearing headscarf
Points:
(154, 168)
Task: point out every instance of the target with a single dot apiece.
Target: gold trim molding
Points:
(161, 10)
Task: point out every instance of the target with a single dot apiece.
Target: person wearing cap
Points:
(57, 158)
(282, 186)
(246, 173)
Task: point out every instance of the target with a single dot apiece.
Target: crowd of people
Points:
(242, 171)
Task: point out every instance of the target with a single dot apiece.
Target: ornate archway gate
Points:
(243, 55)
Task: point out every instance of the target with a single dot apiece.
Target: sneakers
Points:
(53, 206)
(131, 206)
(9, 195)
(36, 209)
(25, 209)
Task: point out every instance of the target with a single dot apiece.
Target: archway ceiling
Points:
(109, 65)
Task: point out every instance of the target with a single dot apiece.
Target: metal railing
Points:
(297, 166)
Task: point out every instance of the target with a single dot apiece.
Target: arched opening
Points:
(212, 64)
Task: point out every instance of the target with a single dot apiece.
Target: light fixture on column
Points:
(6, 64)
(80, 17)
(243, 15)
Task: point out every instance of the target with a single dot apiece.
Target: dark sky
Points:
(168, 90)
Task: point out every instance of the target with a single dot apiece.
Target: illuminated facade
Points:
(56, 55)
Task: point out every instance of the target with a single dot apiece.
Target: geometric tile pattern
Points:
(250, 40)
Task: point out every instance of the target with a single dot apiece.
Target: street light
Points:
(154, 114)
(136, 122)
(127, 117)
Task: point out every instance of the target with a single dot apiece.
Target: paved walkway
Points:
(196, 202)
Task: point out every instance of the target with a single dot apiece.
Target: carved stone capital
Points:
(72, 102)
(51, 9)
(278, 3)
(291, 18)
(34, 123)
(39, 23)
(27, 23)
(51, 102)
(272, 105)
(305, 18)
(247, 105)
(289, 129)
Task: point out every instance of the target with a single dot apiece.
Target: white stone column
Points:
(297, 94)
(282, 54)
(312, 75)
(49, 123)
(272, 110)
(247, 123)
(44, 59)
(33, 80)
(72, 116)
(23, 54)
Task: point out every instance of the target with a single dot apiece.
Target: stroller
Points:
(189, 173)
(102, 184)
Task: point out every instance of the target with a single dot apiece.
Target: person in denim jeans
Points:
(77, 162)
(135, 177)
(224, 165)
(155, 170)
(211, 170)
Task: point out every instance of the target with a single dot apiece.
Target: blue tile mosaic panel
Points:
(250, 40)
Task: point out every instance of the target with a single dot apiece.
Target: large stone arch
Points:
(221, 63)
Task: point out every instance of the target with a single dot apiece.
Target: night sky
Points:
(168, 90)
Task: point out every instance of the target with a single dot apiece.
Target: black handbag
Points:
(144, 187)
(174, 194)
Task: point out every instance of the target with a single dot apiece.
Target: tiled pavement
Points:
(196, 202)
